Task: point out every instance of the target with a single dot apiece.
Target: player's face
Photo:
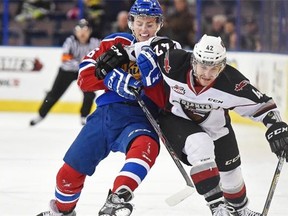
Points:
(144, 27)
(205, 75)
(83, 34)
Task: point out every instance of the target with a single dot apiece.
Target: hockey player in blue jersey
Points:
(118, 124)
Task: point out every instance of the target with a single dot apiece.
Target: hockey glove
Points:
(113, 58)
(277, 136)
(146, 61)
(120, 81)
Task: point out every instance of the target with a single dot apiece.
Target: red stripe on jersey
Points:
(156, 94)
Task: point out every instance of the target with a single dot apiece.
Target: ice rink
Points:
(31, 156)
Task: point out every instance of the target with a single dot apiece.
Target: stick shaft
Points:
(273, 185)
(163, 138)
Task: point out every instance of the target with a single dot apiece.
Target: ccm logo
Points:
(276, 132)
(232, 160)
(156, 78)
(115, 49)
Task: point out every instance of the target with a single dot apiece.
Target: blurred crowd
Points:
(179, 16)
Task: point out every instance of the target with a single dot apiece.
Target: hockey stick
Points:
(273, 185)
(189, 189)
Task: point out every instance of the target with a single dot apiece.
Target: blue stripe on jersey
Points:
(121, 35)
(136, 169)
(84, 63)
(67, 198)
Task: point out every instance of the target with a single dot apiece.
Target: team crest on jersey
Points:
(166, 62)
(132, 69)
(178, 89)
(195, 111)
(202, 108)
(241, 85)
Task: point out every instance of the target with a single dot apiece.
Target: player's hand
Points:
(277, 136)
(147, 63)
(113, 58)
(120, 81)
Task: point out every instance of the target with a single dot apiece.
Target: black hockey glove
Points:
(277, 136)
(113, 58)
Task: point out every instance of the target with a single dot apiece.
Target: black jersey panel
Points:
(175, 63)
(233, 82)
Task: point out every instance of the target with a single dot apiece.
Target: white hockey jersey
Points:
(210, 107)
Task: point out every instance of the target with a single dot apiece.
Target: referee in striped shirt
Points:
(75, 48)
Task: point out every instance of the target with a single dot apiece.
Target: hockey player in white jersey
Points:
(201, 89)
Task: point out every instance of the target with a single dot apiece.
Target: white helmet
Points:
(210, 51)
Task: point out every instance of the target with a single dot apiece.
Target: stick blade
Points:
(180, 196)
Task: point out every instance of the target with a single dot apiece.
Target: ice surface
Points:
(31, 156)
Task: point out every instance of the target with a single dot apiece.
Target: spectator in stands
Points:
(34, 9)
(165, 30)
(228, 7)
(250, 40)
(230, 35)
(217, 26)
(121, 24)
(182, 24)
(73, 13)
(94, 12)
(113, 8)
(75, 48)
